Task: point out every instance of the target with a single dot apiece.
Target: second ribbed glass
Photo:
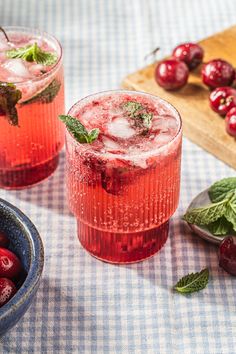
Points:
(130, 223)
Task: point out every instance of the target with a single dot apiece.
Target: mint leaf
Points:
(9, 96)
(219, 190)
(78, 130)
(47, 95)
(230, 212)
(146, 118)
(33, 53)
(220, 227)
(133, 107)
(206, 214)
(193, 282)
(137, 112)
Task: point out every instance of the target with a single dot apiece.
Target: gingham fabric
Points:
(84, 305)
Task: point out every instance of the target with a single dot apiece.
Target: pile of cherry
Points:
(217, 74)
(12, 274)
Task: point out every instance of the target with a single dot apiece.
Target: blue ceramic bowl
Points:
(26, 243)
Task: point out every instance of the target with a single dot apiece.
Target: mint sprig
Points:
(47, 95)
(137, 111)
(33, 53)
(78, 130)
(192, 282)
(219, 217)
(9, 96)
(222, 188)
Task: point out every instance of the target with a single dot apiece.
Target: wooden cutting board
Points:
(201, 125)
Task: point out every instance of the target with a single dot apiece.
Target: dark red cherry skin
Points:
(4, 242)
(190, 53)
(10, 265)
(217, 73)
(171, 74)
(222, 99)
(227, 255)
(230, 122)
(7, 290)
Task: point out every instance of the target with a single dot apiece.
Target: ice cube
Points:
(120, 128)
(4, 46)
(110, 144)
(162, 139)
(17, 68)
(36, 69)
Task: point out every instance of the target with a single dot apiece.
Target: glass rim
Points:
(43, 34)
(142, 153)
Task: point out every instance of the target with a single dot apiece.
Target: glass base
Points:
(27, 176)
(122, 248)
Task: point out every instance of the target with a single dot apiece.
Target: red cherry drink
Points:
(123, 187)
(30, 144)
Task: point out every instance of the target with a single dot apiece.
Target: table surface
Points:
(86, 306)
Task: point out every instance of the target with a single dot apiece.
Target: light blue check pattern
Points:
(86, 306)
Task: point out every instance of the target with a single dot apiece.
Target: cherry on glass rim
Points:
(227, 255)
(222, 99)
(190, 53)
(217, 73)
(171, 74)
(230, 122)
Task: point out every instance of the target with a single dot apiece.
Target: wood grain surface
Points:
(201, 125)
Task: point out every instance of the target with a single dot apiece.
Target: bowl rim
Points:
(36, 261)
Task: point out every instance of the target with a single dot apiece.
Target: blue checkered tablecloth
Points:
(86, 306)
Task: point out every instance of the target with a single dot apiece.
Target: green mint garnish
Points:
(33, 53)
(138, 112)
(220, 227)
(78, 130)
(9, 96)
(219, 217)
(193, 282)
(47, 95)
(220, 189)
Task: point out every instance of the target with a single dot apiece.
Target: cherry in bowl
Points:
(171, 74)
(227, 255)
(222, 99)
(190, 53)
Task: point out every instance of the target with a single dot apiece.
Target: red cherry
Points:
(190, 53)
(171, 74)
(10, 265)
(218, 73)
(222, 99)
(7, 290)
(230, 122)
(227, 255)
(4, 242)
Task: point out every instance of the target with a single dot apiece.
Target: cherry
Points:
(222, 99)
(10, 265)
(7, 290)
(227, 255)
(4, 242)
(190, 53)
(171, 74)
(230, 122)
(218, 73)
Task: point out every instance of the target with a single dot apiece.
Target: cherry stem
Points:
(6, 36)
(153, 52)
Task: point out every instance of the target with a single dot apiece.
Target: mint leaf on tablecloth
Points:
(193, 282)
